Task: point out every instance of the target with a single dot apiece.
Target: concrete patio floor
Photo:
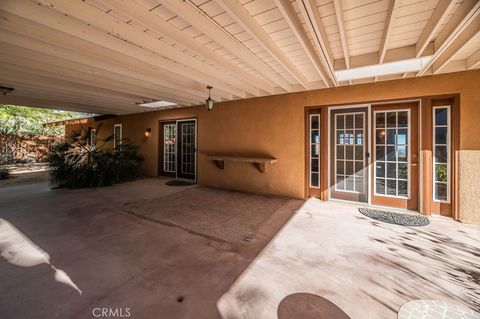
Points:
(116, 259)
(366, 268)
(67, 252)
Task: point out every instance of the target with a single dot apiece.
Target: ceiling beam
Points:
(40, 90)
(313, 21)
(241, 15)
(473, 61)
(33, 91)
(472, 30)
(17, 73)
(154, 22)
(464, 15)
(68, 73)
(439, 16)
(177, 59)
(387, 31)
(188, 11)
(58, 21)
(341, 29)
(72, 68)
(296, 27)
(53, 94)
(392, 12)
(392, 55)
(55, 45)
(21, 100)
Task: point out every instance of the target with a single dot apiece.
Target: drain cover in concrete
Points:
(405, 219)
(176, 182)
(426, 309)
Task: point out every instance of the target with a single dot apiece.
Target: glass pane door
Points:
(350, 152)
(349, 148)
(391, 155)
(396, 167)
(186, 149)
(169, 148)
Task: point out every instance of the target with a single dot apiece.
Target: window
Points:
(391, 160)
(314, 150)
(117, 136)
(93, 137)
(349, 152)
(169, 148)
(441, 154)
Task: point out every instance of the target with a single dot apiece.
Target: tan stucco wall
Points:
(274, 125)
(469, 185)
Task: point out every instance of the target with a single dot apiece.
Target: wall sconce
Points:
(209, 102)
(148, 132)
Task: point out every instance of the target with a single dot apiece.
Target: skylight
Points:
(398, 67)
(158, 104)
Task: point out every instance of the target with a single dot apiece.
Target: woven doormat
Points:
(405, 219)
(176, 182)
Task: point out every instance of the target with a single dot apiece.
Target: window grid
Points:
(188, 148)
(315, 150)
(117, 136)
(392, 171)
(349, 161)
(169, 146)
(441, 154)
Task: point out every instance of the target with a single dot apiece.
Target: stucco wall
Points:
(469, 185)
(274, 125)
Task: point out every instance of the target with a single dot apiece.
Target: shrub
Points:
(4, 173)
(75, 164)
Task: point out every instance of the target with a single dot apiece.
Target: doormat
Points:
(176, 182)
(404, 219)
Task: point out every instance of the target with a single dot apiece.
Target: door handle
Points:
(413, 164)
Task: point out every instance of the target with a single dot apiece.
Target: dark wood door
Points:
(186, 149)
(395, 155)
(349, 154)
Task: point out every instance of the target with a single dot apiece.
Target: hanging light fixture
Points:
(209, 102)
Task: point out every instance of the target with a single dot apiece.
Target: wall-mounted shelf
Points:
(260, 162)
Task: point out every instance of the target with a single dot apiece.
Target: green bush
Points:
(4, 173)
(75, 164)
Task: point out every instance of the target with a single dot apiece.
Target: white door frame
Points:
(196, 146)
(370, 158)
(176, 145)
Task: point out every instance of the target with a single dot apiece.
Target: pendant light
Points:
(209, 102)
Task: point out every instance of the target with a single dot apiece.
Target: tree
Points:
(28, 120)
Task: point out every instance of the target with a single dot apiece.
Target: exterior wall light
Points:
(209, 102)
(148, 132)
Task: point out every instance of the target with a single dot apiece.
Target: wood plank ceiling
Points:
(108, 56)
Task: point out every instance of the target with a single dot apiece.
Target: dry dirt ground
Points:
(25, 174)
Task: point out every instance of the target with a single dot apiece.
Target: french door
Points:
(349, 154)
(178, 149)
(395, 155)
